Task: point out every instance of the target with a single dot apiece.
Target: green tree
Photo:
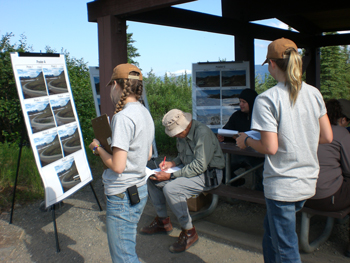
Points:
(334, 79)
(163, 95)
(268, 82)
(10, 109)
(132, 51)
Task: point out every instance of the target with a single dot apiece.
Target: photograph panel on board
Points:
(63, 110)
(70, 139)
(209, 116)
(56, 80)
(48, 147)
(208, 97)
(233, 78)
(32, 82)
(208, 78)
(97, 85)
(40, 115)
(230, 97)
(68, 174)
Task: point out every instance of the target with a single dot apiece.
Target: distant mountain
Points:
(261, 71)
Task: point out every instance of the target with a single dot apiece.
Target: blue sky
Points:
(64, 24)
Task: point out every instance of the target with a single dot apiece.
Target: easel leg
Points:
(15, 186)
(93, 191)
(55, 227)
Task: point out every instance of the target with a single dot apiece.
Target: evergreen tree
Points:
(334, 84)
(132, 51)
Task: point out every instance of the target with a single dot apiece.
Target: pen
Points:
(164, 161)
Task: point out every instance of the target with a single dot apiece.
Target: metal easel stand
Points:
(98, 202)
(18, 162)
(55, 227)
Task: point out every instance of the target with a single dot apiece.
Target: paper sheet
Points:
(149, 172)
(229, 133)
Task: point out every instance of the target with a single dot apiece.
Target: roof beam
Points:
(301, 24)
(181, 18)
(331, 40)
(252, 10)
(176, 17)
(101, 8)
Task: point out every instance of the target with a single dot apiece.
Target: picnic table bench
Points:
(256, 196)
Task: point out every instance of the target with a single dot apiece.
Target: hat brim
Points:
(179, 129)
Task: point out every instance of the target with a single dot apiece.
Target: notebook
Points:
(102, 131)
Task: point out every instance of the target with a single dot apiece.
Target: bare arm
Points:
(268, 144)
(150, 153)
(326, 133)
(116, 162)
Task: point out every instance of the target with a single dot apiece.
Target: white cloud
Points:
(180, 72)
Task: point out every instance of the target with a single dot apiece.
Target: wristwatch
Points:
(172, 176)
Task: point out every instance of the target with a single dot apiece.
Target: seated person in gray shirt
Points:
(198, 150)
(333, 184)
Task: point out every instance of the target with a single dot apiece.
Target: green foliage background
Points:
(163, 94)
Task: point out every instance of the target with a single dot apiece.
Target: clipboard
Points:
(103, 132)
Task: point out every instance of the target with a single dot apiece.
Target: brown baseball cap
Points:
(176, 121)
(122, 72)
(277, 47)
(345, 107)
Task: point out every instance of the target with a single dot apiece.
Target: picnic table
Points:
(256, 196)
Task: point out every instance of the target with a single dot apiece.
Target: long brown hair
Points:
(129, 87)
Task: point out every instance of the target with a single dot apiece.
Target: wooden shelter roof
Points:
(309, 18)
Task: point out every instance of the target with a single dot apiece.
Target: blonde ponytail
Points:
(294, 73)
(292, 65)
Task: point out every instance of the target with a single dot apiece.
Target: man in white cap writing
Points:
(201, 158)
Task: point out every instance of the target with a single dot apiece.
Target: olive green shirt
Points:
(199, 149)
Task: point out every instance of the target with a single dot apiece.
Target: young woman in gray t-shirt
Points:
(288, 116)
(132, 135)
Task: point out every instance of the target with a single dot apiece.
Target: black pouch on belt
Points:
(210, 177)
(133, 195)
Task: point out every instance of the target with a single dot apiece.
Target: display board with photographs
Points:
(52, 123)
(95, 85)
(215, 91)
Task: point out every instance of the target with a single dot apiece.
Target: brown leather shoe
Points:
(186, 239)
(159, 225)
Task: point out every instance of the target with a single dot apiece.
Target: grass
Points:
(29, 184)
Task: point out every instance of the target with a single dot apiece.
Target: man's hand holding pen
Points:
(162, 175)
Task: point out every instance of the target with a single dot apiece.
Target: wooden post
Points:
(244, 51)
(312, 66)
(112, 43)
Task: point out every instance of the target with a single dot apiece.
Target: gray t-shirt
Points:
(291, 174)
(132, 131)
